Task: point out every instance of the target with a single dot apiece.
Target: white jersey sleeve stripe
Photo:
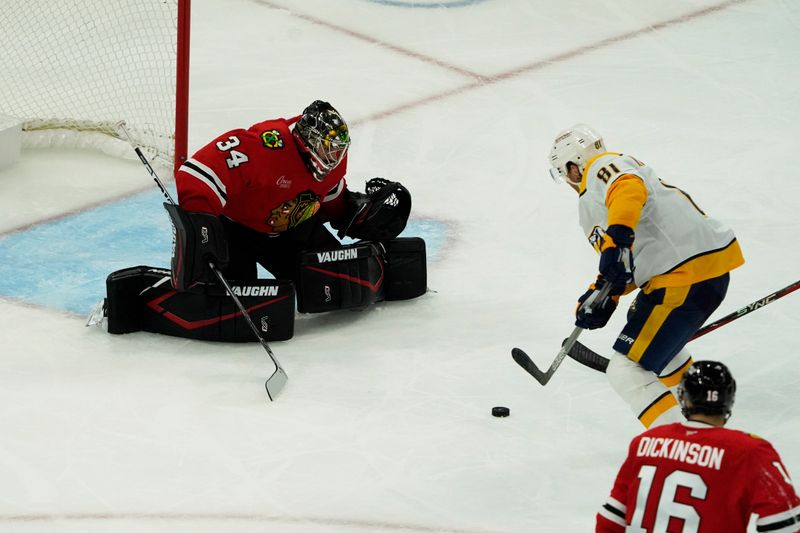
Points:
(785, 522)
(335, 192)
(613, 502)
(614, 510)
(612, 516)
(207, 176)
(208, 171)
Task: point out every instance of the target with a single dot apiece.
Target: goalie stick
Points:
(276, 382)
(592, 359)
(530, 367)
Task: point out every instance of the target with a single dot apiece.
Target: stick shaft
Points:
(121, 126)
(749, 308)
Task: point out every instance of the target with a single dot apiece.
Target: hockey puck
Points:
(501, 412)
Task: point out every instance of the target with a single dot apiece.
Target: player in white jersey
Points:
(649, 235)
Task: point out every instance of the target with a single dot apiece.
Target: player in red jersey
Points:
(262, 195)
(274, 184)
(698, 476)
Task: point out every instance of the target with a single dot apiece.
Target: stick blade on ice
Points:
(276, 383)
(530, 367)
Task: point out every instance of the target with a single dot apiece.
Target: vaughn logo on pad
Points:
(260, 290)
(337, 255)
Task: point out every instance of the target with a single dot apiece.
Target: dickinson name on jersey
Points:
(679, 450)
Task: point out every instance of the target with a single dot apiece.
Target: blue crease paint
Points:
(64, 264)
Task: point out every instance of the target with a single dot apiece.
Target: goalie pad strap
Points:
(142, 299)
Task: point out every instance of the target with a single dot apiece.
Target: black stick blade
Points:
(588, 357)
(530, 367)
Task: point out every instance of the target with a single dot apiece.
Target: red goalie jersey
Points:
(693, 477)
(258, 178)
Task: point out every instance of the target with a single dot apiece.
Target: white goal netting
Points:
(71, 69)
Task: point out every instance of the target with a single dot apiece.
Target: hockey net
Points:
(70, 70)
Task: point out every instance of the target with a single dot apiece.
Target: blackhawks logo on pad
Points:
(272, 139)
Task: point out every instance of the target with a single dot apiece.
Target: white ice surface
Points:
(384, 424)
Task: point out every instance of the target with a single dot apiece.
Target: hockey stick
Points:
(749, 308)
(278, 379)
(530, 367)
(592, 359)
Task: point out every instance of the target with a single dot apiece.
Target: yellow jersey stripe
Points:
(663, 403)
(699, 268)
(673, 297)
(674, 378)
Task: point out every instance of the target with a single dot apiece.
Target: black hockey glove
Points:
(616, 258)
(593, 314)
(380, 214)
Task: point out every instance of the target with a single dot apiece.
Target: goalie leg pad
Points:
(123, 305)
(143, 299)
(406, 268)
(344, 278)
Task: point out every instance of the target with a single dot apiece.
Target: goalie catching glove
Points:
(378, 214)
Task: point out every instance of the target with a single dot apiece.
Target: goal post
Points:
(70, 70)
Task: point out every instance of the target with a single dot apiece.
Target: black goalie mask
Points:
(324, 137)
